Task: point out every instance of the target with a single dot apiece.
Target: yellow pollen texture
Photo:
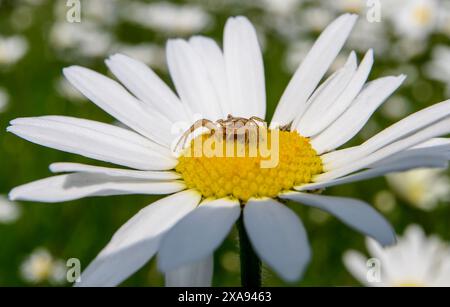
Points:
(242, 176)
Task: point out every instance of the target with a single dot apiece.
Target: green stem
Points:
(250, 263)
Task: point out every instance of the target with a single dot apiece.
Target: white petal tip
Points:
(389, 241)
(401, 77)
(12, 196)
(116, 56)
(72, 71)
(295, 274)
(69, 69)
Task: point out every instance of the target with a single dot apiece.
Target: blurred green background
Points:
(36, 42)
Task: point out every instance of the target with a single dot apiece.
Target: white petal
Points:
(94, 140)
(245, 68)
(440, 128)
(312, 69)
(317, 105)
(435, 143)
(78, 185)
(67, 167)
(355, 117)
(115, 100)
(417, 161)
(191, 80)
(345, 99)
(214, 61)
(388, 257)
(413, 123)
(278, 237)
(148, 87)
(356, 264)
(198, 234)
(109, 129)
(197, 274)
(354, 213)
(427, 155)
(137, 240)
(431, 146)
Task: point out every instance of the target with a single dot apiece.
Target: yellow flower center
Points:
(248, 170)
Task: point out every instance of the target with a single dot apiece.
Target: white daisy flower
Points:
(12, 49)
(9, 211)
(416, 261)
(414, 19)
(422, 188)
(210, 193)
(40, 266)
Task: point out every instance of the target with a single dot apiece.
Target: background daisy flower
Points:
(210, 195)
(40, 266)
(416, 260)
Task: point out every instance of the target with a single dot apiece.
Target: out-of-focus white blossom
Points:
(151, 54)
(4, 100)
(66, 90)
(443, 23)
(422, 188)
(413, 19)
(295, 53)
(405, 49)
(366, 35)
(12, 49)
(22, 17)
(315, 18)
(167, 17)
(85, 38)
(283, 7)
(396, 107)
(40, 266)
(384, 201)
(9, 211)
(346, 6)
(416, 260)
(102, 12)
(439, 66)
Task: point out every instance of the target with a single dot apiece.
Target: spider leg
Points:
(199, 123)
(257, 120)
(252, 125)
(239, 128)
(286, 127)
